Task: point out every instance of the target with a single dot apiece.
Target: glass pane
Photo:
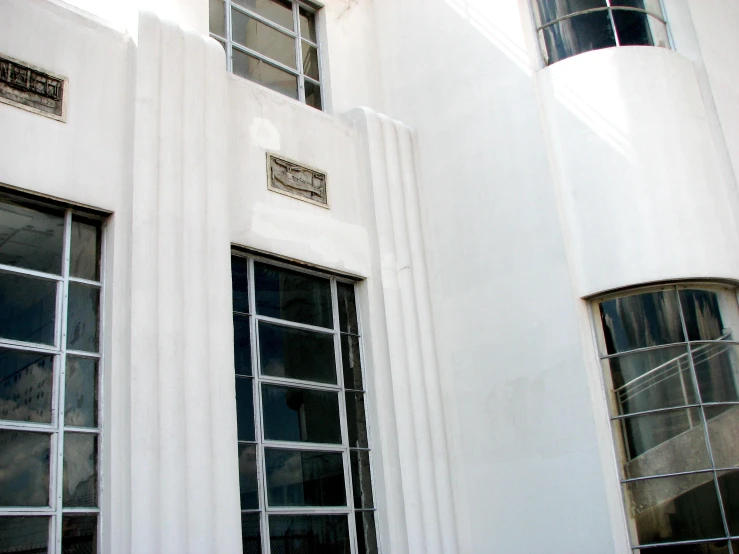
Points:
(578, 34)
(716, 368)
(265, 74)
(294, 296)
(712, 547)
(217, 18)
(632, 28)
(262, 38)
(85, 250)
(356, 420)
(313, 95)
(307, 25)
(728, 482)
(550, 10)
(24, 469)
(296, 354)
(79, 534)
(664, 442)
(82, 317)
(293, 414)
(650, 380)
(240, 284)
(244, 409)
(310, 61)
(80, 470)
(347, 309)
(251, 539)
(31, 237)
(651, 6)
(366, 532)
(81, 392)
(27, 308)
(24, 535)
(702, 314)
(242, 345)
(304, 478)
(723, 423)
(309, 534)
(26, 381)
(350, 356)
(641, 320)
(361, 479)
(670, 509)
(279, 11)
(248, 481)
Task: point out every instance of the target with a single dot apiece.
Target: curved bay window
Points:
(570, 27)
(670, 358)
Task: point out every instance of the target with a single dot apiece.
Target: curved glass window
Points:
(670, 359)
(570, 27)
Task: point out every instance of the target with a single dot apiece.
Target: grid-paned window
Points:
(50, 376)
(304, 451)
(670, 361)
(271, 42)
(570, 27)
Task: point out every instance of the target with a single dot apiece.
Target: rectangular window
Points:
(271, 42)
(304, 451)
(50, 378)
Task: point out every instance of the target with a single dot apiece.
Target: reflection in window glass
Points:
(26, 381)
(24, 534)
(314, 534)
(31, 237)
(27, 308)
(265, 74)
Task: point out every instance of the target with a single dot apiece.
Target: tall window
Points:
(271, 42)
(50, 425)
(671, 366)
(304, 451)
(570, 27)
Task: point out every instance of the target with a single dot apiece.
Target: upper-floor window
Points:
(570, 27)
(271, 42)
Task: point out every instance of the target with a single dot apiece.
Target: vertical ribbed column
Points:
(415, 376)
(183, 429)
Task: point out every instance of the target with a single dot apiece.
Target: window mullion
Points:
(298, 52)
(229, 38)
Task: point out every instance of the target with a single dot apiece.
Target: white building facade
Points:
(387, 276)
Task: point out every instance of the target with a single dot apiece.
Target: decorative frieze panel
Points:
(292, 179)
(31, 89)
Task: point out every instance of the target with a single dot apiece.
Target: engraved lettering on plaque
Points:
(298, 181)
(31, 89)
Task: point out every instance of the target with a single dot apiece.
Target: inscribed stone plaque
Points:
(32, 89)
(292, 179)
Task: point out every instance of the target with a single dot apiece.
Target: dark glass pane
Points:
(24, 469)
(310, 61)
(650, 380)
(242, 345)
(31, 237)
(309, 534)
(313, 95)
(347, 308)
(366, 533)
(85, 253)
(632, 28)
(251, 538)
(668, 509)
(82, 317)
(702, 314)
(240, 283)
(652, 6)
(79, 534)
(296, 353)
(217, 17)
(641, 320)
(717, 370)
(294, 296)
(356, 420)
(26, 381)
(351, 361)
(549, 10)
(713, 547)
(304, 478)
(81, 392)
(279, 11)
(248, 481)
(24, 535)
(728, 482)
(27, 308)
(80, 470)
(361, 479)
(293, 414)
(265, 74)
(262, 38)
(578, 34)
(244, 409)
(723, 422)
(307, 25)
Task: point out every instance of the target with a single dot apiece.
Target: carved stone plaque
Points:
(298, 181)
(31, 89)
